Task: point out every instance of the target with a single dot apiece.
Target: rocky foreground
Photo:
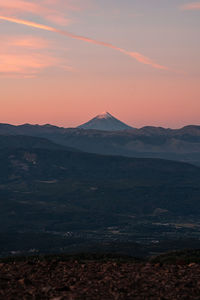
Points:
(106, 280)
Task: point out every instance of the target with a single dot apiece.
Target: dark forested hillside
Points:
(55, 192)
(92, 183)
(31, 142)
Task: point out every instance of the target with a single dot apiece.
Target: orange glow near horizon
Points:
(69, 111)
(50, 75)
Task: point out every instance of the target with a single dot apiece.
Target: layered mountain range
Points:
(50, 188)
(153, 142)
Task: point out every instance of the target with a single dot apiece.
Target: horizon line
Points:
(76, 127)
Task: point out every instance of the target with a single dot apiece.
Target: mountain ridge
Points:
(154, 142)
(106, 122)
(4, 127)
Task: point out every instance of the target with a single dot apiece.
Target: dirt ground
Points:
(94, 280)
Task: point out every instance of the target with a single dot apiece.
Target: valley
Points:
(60, 200)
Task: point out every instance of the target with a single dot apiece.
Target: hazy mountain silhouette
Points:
(105, 121)
(153, 142)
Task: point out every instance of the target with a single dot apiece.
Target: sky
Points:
(64, 61)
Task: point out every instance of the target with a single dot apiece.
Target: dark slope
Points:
(93, 184)
(45, 194)
(64, 163)
(22, 141)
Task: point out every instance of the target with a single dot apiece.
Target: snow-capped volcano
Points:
(105, 121)
(104, 115)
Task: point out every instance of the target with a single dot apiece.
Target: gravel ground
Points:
(88, 280)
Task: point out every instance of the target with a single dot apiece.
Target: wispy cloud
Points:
(55, 11)
(26, 42)
(191, 6)
(25, 63)
(27, 56)
(137, 56)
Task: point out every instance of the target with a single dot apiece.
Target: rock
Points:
(24, 281)
(63, 289)
(46, 289)
(192, 265)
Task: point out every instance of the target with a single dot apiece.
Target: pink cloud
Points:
(19, 5)
(71, 5)
(26, 42)
(58, 19)
(55, 11)
(27, 56)
(137, 56)
(25, 63)
(191, 6)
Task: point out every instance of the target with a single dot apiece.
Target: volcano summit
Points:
(106, 122)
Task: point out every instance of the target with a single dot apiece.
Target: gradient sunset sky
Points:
(65, 61)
